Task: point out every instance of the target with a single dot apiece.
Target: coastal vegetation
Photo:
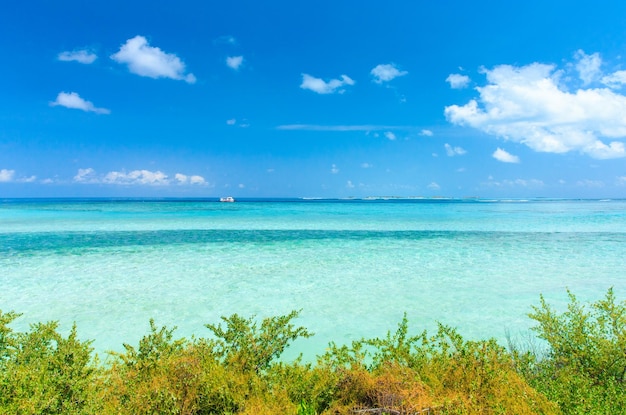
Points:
(576, 366)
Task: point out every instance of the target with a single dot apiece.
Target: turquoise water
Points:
(353, 267)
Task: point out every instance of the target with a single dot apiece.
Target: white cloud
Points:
(184, 179)
(145, 60)
(529, 105)
(334, 169)
(621, 181)
(349, 184)
(81, 56)
(232, 121)
(386, 72)
(322, 87)
(596, 184)
(434, 186)
(458, 81)
(366, 165)
(454, 151)
(6, 175)
(87, 175)
(142, 177)
(74, 101)
(390, 136)
(588, 66)
(504, 156)
(615, 80)
(365, 127)
(137, 177)
(234, 62)
(527, 183)
(427, 133)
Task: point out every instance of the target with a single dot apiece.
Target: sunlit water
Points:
(352, 267)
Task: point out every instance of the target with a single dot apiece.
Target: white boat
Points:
(227, 199)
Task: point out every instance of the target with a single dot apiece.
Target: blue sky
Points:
(322, 99)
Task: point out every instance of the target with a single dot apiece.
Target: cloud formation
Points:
(588, 66)
(74, 101)
(386, 72)
(87, 175)
(454, 151)
(81, 56)
(390, 136)
(136, 177)
(234, 62)
(145, 60)
(320, 86)
(533, 105)
(6, 175)
(427, 133)
(365, 127)
(504, 156)
(458, 81)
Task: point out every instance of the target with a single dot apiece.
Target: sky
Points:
(157, 98)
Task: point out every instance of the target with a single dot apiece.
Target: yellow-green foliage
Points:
(42, 372)
(238, 370)
(585, 367)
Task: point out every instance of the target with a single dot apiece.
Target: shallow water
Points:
(353, 267)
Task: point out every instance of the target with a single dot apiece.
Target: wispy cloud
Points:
(386, 72)
(594, 184)
(504, 156)
(364, 127)
(145, 60)
(533, 105)
(225, 40)
(234, 62)
(588, 66)
(87, 175)
(74, 101)
(334, 169)
(434, 186)
(320, 86)
(507, 183)
(427, 133)
(454, 151)
(81, 56)
(390, 136)
(458, 81)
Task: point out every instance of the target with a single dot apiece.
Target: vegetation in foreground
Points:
(238, 370)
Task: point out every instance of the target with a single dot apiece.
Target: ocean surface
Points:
(353, 267)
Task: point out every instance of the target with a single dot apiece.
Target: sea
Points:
(353, 267)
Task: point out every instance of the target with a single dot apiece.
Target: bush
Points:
(43, 372)
(585, 366)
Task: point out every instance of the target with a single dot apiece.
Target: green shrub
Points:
(585, 366)
(44, 372)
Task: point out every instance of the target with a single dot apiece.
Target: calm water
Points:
(353, 267)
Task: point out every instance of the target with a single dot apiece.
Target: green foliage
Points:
(239, 371)
(585, 366)
(409, 373)
(242, 344)
(44, 372)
